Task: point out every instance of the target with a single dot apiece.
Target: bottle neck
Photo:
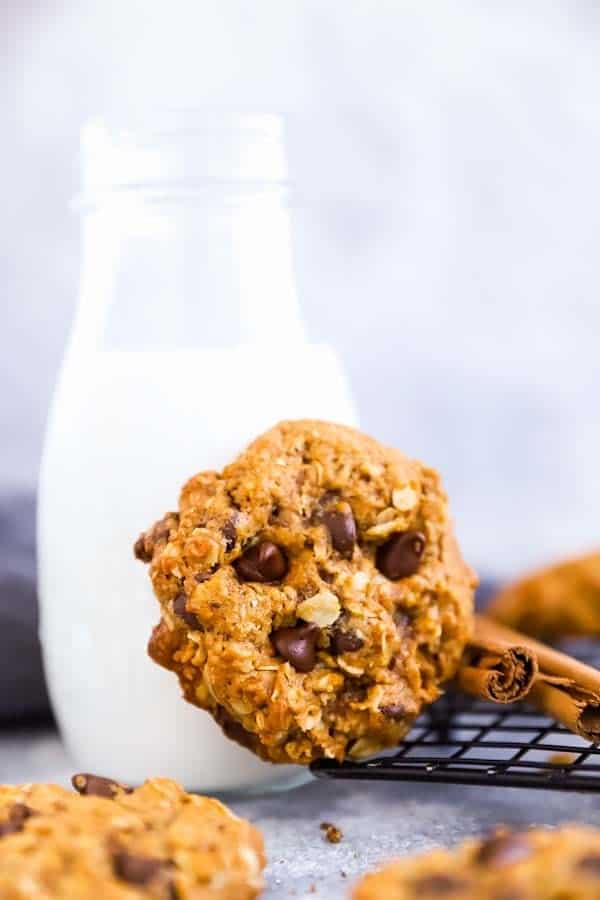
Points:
(186, 237)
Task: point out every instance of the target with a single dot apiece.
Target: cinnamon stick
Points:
(494, 671)
(503, 665)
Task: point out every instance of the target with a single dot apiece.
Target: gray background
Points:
(446, 236)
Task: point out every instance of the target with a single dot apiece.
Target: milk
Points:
(139, 408)
(125, 432)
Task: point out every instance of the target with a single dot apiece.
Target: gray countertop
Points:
(378, 820)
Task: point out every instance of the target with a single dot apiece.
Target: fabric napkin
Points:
(23, 694)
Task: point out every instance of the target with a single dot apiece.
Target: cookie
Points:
(107, 840)
(312, 594)
(531, 865)
(561, 600)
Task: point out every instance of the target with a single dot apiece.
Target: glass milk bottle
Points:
(187, 343)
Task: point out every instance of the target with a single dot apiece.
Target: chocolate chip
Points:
(180, 610)
(590, 865)
(229, 532)
(263, 562)
(395, 711)
(9, 828)
(345, 642)
(400, 556)
(97, 786)
(504, 850)
(298, 645)
(141, 550)
(17, 816)
(136, 869)
(401, 620)
(144, 547)
(201, 577)
(20, 812)
(342, 531)
(439, 884)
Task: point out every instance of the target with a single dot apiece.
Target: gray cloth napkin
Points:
(23, 692)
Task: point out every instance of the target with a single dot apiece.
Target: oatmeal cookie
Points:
(110, 841)
(560, 600)
(539, 864)
(312, 594)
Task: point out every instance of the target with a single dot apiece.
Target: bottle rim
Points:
(179, 150)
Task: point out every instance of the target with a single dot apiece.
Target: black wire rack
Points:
(460, 740)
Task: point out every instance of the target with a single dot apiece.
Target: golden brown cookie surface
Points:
(560, 600)
(532, 865)
(121, 844)
(312, 594)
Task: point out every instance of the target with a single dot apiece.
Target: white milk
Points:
(140, 406)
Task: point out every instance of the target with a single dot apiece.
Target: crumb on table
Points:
(333, 834)
(562, 759)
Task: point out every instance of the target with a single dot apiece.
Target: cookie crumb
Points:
(312, 889)
(343, 874)
(562, 759)
(333, 834)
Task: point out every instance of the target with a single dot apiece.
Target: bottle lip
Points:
(182, 149)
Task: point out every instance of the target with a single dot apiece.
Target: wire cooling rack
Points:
(461, 740)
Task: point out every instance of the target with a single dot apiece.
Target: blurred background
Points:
(446, 222)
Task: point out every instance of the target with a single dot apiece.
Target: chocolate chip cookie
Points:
(532, 865)
(107, 840)
(560, 600)
(312, 594)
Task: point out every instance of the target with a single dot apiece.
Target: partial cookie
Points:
(532, 865)
(116, 843)
(561, 600)
(312, 594)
